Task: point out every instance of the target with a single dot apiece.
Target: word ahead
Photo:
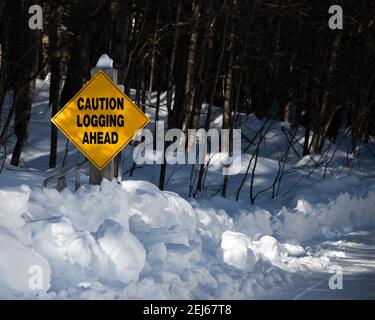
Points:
(100, 120)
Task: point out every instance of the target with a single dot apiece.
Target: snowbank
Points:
(135, 241)
(342, 215)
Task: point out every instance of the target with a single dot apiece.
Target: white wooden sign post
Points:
(111, 171)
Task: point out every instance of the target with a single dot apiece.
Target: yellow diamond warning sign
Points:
(100, 120)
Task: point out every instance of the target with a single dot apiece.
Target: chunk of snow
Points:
(236, 252)
(294, 250)
(157, 208)
(268, 247)
(255, 223)
(126, 254)
(104, 62)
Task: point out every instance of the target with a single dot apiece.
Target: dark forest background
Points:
(274, 58)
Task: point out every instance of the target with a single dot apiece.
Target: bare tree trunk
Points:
(321, 131)
(287, 103)
(23, 82)
(56, 76)
(203, 70)
(153, 60)
(4, 80)
(43, 54)
(6, 26)
(143, 88)
(121, 10)
(172, 63)
(157, 110)
(227, 109)
(22, 108)
(189, 87)
(170, 81)
(212, 97)
(305, 117)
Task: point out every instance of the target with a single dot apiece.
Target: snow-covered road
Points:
(355, 254)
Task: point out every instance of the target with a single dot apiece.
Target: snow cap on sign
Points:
(104, 62)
